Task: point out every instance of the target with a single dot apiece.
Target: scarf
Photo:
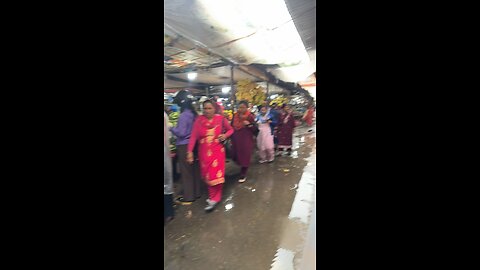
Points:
(238, 120)
(262, 118)
(206, 123)
(287, 117)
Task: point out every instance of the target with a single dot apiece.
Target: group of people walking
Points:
(201, 146)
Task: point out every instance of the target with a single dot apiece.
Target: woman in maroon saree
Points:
(286, 126)
(208, 132)
(243, 138)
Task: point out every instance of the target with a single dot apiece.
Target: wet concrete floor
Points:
(260, 224)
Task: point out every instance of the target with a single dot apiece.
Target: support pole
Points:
(232, 90)
(268, 97)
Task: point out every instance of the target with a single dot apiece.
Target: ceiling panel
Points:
(174, 84)
(216, 76)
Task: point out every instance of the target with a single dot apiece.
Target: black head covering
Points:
(182, 96)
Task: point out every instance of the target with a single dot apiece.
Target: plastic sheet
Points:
(245, 32)
(304, 16)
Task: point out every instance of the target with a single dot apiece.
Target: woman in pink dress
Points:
(208, 130)
(265, 144)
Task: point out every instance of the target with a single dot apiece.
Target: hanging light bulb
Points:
(226, 89)
(192, 75)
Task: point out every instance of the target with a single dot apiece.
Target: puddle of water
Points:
(228, 202)
(283, 260)
(305, 197)
(303, 203)
(249, 188)
(309, 256)
(287, 257)
(230, 197)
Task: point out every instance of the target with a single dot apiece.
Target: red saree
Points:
(285, 131)
(243, 141)
(308, 117)
(210, 150)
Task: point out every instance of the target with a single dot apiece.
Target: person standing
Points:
(265, 145)
(286, 126)
(277, 111)
(308, 116)
(274, 115)
(218, 105)
(242, 138)
(189, 173)
(208, 132)
(168, 212)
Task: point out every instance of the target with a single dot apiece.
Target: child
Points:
(265, 137)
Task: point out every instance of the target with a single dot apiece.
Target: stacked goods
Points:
(250, 91)
(280, 100)
(228, 114)
(173, 148)
(299, 105)
(173, 118)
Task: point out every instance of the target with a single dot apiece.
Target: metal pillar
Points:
(232, 89)
(268, 97)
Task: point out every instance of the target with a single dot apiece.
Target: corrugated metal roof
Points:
(304, 17)
(190, 36)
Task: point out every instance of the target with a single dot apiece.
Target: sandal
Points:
(182, 201)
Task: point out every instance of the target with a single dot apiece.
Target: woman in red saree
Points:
(308, 116)
(208, 130)
(286, 126)
(243, 138)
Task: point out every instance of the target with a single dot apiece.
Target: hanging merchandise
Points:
(172, 119)
(228, 114)
(173, 147)
(174, 107)
(250, 91)
(280, 100)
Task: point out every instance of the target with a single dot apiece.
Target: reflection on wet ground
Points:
(260, 224)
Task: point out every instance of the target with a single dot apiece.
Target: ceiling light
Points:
(226, 89)
(272, 37)
(192, 75)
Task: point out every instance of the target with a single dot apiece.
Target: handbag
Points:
(227, 144)
(255, 129)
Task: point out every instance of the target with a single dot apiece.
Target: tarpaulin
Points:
(244, 32)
